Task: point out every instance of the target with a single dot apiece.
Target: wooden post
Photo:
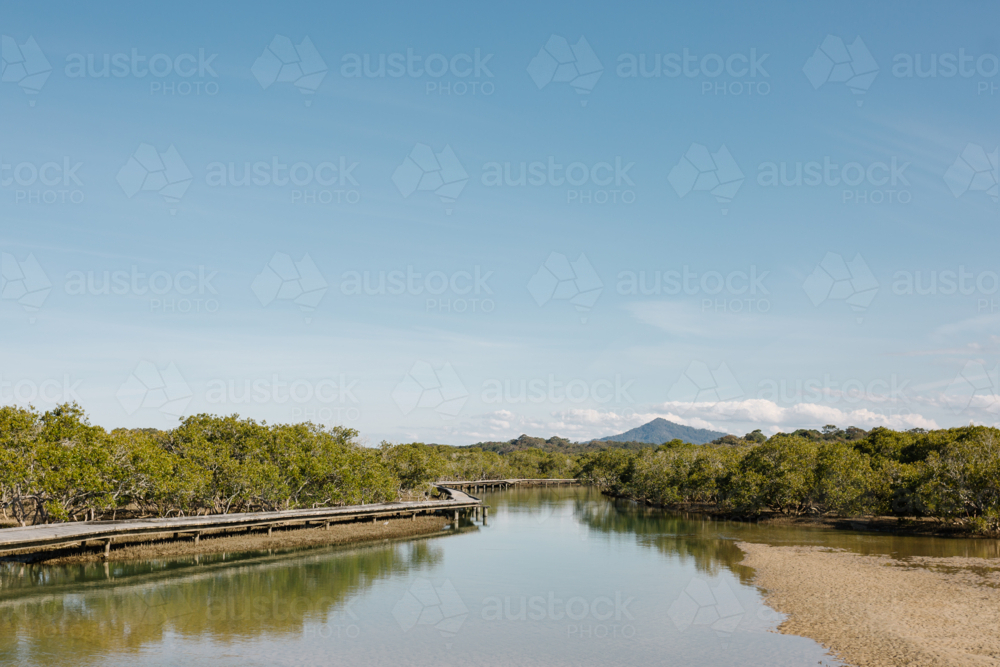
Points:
(456, 518)
(107, 548)
(269, 530)
(374, 519)
(413, 517)
(327, 526)
(486, 513)
(197, 538)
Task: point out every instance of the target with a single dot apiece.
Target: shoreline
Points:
(879, 611)
(913, 526)
(153, 546)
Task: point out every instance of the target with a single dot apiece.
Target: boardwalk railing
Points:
(494, 484)
(30, 538)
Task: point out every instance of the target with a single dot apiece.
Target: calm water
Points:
(559, 577)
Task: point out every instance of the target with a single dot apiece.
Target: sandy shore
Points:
(875, 610)
(150, 546)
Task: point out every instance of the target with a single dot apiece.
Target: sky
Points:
(462, 222)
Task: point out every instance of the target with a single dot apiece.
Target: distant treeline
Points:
(555, 445)
(56, 466)
(948, 474)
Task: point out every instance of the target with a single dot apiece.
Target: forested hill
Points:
(555, 444)
(660, 430)
(655, 432)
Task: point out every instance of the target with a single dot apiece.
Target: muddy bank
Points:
(880, 611)
(162, 546)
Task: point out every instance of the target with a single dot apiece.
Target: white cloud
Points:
(759, 411)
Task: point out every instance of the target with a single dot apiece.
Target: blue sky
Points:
(505, 308)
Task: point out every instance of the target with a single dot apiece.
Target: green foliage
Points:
(950, 474)
(55, 466)
(778, 475)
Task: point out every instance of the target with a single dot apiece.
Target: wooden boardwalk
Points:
(500, 484)
(30, 538)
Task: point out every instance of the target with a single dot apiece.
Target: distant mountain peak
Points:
(662, 430)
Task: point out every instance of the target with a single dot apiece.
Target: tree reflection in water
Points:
(76, 614)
